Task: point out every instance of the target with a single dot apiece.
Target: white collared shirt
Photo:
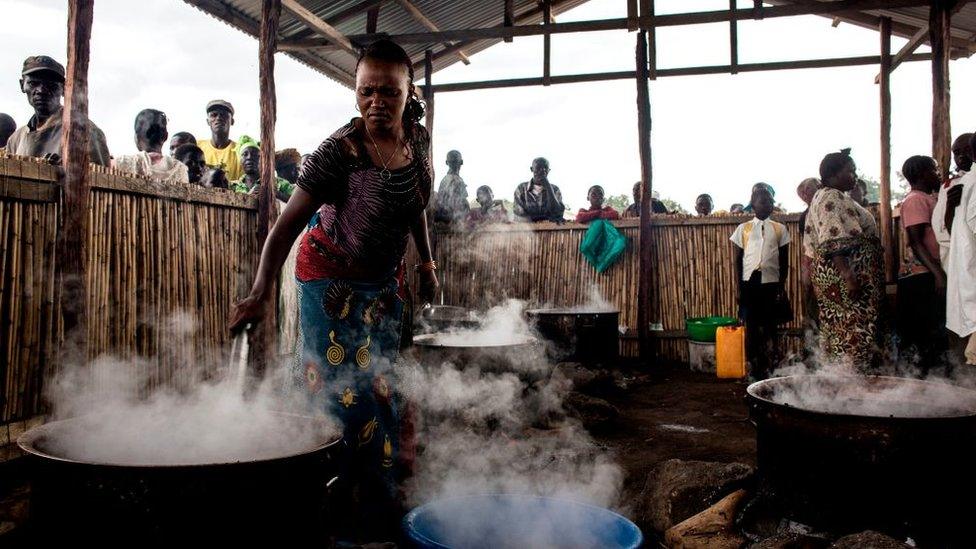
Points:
(961, 267)
(760, 249)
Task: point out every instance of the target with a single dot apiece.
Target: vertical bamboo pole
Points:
(265, 340)
(644, 291)
(885, 90)
(940, 18)
(429, 97)
(72, 248)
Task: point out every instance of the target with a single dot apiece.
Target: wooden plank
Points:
(72, 247)
(264, 338)
(508, 18)
(546, 43)
(733, 40)
(940, 25)
(330, 33)
(644, 285)
(633, 15)
(28, 190)
(916, 40)
(372, 20)
(415, 12)
(647, 15)
(884, 88)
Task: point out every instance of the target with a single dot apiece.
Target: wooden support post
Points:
(633, 15)
(644, 284)
(647, 10)
(887, 240)
(757, 9)
(429, 96)
(733, 39)
(546, 43)
(509, 19)
(940, 16)
(72, 250)
(372, 20)
(264, 344)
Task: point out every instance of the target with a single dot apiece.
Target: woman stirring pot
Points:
(370, 183)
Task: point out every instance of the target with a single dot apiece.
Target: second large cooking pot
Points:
(580, 335)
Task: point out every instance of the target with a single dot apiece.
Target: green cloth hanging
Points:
(602, 245)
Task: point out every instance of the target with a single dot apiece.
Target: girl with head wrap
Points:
(249, 152)
(841, 238)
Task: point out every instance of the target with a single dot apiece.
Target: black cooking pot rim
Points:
(571, 311)
(753, 390)
(428, 341)
(27, 440)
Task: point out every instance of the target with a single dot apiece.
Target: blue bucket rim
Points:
(414, 535)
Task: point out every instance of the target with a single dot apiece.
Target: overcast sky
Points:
(717, 134)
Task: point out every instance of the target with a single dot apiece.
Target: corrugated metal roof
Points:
(393, 19)
(350, 16)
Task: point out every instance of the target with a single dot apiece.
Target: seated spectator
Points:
(287, 165)
(7, 127)
(704, 205)
(179, 139)
(150, 128)
(657, 207)
(736, 209)
(451, 201)
(43, 84)
(249, 151)
(538, 199)
(196, 165)
(596, 210)
(489, 210)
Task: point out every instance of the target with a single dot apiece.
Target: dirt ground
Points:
(670, 412)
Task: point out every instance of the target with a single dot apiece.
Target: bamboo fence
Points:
(165, 265)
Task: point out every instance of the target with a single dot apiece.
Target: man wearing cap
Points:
(42, 80)
(220, 151)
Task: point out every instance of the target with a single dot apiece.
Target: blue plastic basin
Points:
(503, 521)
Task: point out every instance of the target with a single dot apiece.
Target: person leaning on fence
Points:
(538, 199)
(179, 139)
(451, 200)
(196, 165)
(287, 163)
(632, 211)
(151, 134)
(43, 83)
(762, 264)
(249, 151)
(596, 210)
(7, 127)
(921, 312)
(220, 150)
(704, 205)
(843, 242)
(489, 210)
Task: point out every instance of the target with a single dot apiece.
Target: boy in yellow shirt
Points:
(220, 151)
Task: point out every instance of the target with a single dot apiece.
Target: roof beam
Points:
(668, 20)
(341, 17)
(331, 33)
(682, 71)
(913, 44)
(415, 12)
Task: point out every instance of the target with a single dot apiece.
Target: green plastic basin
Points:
(703, 328)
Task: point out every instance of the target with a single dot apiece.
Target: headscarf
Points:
(768, 187)
(245, 142)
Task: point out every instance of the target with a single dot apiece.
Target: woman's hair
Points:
(916, 165)
(833, 163)
(390, 52)
(151, 126)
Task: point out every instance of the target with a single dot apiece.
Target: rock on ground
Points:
(791, 541)
(868, 539)
(593, 413)
(677, 489)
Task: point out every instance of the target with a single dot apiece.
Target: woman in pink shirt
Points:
(921, 278)
(597, 210)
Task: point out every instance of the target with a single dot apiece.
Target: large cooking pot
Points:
(522, 355)
(441, 318)
(148, 505)
(580, 335)
(849, 453)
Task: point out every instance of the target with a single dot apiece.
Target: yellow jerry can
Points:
(730, 352)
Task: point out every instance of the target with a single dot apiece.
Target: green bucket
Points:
(703, 328)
